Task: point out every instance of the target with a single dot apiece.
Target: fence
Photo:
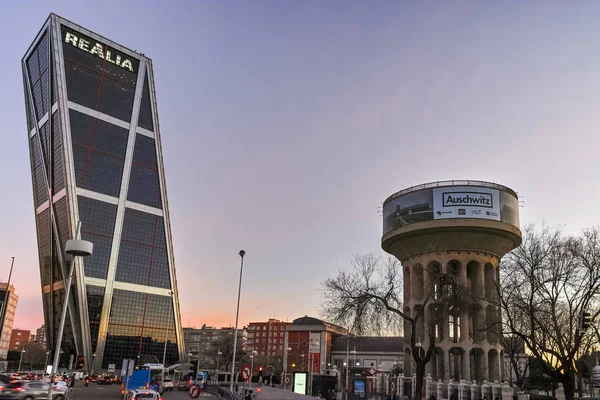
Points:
(225, 394)
(463, 390)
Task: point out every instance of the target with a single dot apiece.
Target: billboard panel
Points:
(445, 202)
(466, 202)
(408, 209)
(300, 382)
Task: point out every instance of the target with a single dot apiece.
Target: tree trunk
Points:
(418, 395)
(568, 383)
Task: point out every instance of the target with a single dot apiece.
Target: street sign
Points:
(111, 367)
(194, 391)
(246, 373)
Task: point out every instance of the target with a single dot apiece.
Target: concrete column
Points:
(428, 388)
(466, 366)
(507, 392)
(445, 366)
(464, 326)
(501, 366)
(485, 366)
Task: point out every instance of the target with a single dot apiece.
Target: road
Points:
(108, 392)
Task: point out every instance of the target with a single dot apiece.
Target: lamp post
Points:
(254, 353)
(46, 363)
(93, 362)
(219, 353)
(21, 359)
(242, 253)
(162, 375)
(347, 363)
(76, 248)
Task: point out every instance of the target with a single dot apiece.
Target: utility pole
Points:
(242, 253)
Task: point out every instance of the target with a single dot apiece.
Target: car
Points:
(105, 380)
(184, 384)
(29, 390)
(168, 384)
(135, 394)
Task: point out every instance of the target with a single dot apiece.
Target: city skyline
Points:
(298, 124)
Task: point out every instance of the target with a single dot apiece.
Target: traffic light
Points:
(80, 362)
(586, 320)
(260, 371)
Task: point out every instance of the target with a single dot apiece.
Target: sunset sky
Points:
(285, 125)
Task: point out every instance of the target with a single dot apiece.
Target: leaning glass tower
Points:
(96, 157)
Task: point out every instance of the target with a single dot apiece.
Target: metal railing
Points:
(225, 394)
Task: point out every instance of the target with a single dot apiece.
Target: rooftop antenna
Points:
(380, 210)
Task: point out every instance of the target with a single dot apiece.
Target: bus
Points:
(147, 376)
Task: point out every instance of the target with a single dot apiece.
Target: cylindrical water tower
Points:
(461, 228)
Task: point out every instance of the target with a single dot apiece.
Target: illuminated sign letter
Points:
(107, 58)
(84, 45)
(127, 64)
(71, 38)
(97, 49)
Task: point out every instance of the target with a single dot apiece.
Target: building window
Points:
(281, 341)
(264, 340)
(275, 328)
(280, 347)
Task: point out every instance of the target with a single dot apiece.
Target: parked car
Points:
(168, 384)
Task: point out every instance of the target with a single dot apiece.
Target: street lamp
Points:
(242, 253)
(46, 364)
(219, 353)
(162, 379)
(254, 353)
(20, 360)
(93, 362)
(76, 248)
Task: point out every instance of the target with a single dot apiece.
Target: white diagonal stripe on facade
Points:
(98, 115)
(116, 241)
(95, 281)
(141, 288)
(166, 217)
(145, 132)
(144, 208)
(97, 196)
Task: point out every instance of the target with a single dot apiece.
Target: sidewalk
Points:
(270, 393)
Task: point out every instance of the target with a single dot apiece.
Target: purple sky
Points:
(286, 124)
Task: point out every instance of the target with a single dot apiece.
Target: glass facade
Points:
(94, 159)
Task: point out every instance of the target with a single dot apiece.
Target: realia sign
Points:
(99, 50)
(466, 202)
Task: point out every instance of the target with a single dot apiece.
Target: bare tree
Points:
(519, 361)
(546, 284)
(225, 347)
(368, 299)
